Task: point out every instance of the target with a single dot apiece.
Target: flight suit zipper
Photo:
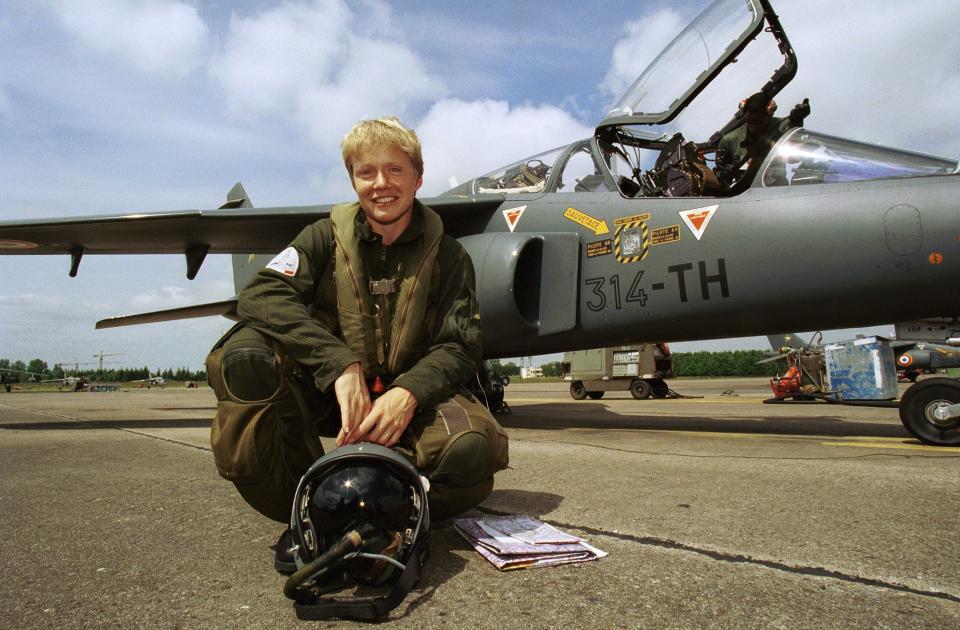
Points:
(402, 328)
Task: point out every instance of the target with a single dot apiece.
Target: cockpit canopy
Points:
(631, 155)
(689, 63)
(645, 165)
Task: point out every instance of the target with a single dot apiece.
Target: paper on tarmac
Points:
(521, 542)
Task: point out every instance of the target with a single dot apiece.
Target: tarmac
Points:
(716, 511)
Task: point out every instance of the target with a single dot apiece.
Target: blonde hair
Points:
(382, 132)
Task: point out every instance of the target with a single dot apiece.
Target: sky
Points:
(120, 106)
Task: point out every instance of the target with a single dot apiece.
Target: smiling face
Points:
(386, 181)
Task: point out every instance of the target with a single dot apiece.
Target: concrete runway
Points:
(716, 511)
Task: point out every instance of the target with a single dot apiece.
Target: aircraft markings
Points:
(632, 242)
(598, 226)
(668, 234)
(600, 296)
(599, 248)
(636, 218)
(599, 300)
(512, 216)
(705, 279)
(697, 219)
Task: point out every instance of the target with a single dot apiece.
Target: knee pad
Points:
(250, 374)
(465, 460)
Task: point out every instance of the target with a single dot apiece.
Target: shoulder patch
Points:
(286, 262)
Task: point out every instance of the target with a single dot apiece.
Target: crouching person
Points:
(363, 328)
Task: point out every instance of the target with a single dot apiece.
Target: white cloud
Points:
(464, 139)
(160, 37)
(643, 41)
(322, 66)
(891, 79)
(894, 80)
(165, 297)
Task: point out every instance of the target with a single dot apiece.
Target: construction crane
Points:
(100, 356)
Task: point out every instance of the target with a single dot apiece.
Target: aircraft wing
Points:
(247, 230)
(233, 228)
(227, 308)
(218, 231)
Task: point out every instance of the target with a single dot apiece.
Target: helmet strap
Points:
(312, 607)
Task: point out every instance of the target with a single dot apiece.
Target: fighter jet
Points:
(153, 381)
(631, 235)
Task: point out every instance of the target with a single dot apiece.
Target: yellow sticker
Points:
(668, 234)
(637, 218)
(632, 242)
(597, 226)
(599, 248)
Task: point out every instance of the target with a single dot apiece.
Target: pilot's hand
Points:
(799, 112)
(389, 418)
(354, 400)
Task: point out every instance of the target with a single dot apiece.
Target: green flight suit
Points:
(274, 373)
(738, 148)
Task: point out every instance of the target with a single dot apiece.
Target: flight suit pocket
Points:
(241, 428)
(239, 432)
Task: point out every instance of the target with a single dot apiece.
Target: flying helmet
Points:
(359, 521)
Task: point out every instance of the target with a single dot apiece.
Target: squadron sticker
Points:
(698, 219)
(632, 242)
(286, 262)
(599, 248)
(512, 216)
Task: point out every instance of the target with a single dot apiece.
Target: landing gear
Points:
(919, 411)
(487, 387)
(640, 390)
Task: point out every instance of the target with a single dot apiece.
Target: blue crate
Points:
(861, 369)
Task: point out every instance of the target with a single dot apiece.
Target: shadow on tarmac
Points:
(73, 425)
(558, 417)
(450, 553)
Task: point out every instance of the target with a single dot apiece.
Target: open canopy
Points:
(691, 61)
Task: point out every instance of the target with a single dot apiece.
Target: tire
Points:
(917, 407)
(659, 388)
(640, 389)
(577, 390)
(595, 395)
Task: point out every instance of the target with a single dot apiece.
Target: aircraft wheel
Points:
(595, 395)
(640, 389)
(577, 390)
(659, 389)
(917, 411)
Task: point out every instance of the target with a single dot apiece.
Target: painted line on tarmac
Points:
(739, 558)
(955, 453)
(712, 401)
(913, 447)
(81, 422)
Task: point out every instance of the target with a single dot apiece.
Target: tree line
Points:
(39, 370)
(726, 363)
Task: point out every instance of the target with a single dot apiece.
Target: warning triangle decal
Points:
(698, 219)
(513, 215)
